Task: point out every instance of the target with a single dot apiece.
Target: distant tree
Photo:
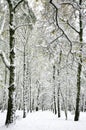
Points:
(54, 89)
(74, 6)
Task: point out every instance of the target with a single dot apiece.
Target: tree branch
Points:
(60, 27)
(73, 27)
(74, 4)
(56, 38)
(18, 4)
(4, 59)
(28, 24)
(8, 1)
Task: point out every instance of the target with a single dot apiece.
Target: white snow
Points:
(44, 121)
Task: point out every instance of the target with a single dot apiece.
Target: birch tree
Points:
(11, 100)
(75, 6)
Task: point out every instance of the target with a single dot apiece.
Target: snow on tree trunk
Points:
(4, 106)
(54, 93)
(11, 99)
(24, 85)
(28, 85)
(58, 89)
(38, 92)
(79, 69)
(58, 102)
(30, 89)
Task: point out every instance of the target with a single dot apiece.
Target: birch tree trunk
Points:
(11, 99)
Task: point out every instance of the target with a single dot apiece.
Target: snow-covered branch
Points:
(3, 23)
(5, 61)
(11, 3)
(30, 24)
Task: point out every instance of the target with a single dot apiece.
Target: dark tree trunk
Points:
(38, 92)
(54, 93)
(77, 110)
(33, 104)
(55, 110)
(58, 89)
(37, 108)
(24, 85)
(29, 85)
(11, 99)
(30, 94)
(58, 103)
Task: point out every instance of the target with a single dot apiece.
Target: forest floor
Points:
(44, 121)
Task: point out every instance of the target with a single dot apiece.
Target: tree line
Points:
(45, 61)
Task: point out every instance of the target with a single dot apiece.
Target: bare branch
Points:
(4, 59)
(63, 30)
(18, 4)
(60, 27)
(53, 4)
(30, 24)
(74, 4)
(73, 27)
(56, 39)
(67, 22)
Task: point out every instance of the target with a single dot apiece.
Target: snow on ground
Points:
(44, 121)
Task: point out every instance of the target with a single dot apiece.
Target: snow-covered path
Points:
(45, 121)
